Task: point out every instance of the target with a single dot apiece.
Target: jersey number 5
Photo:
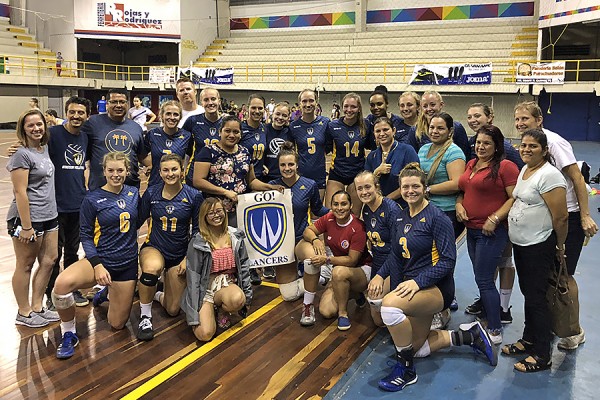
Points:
(124, 222)
(312, 148)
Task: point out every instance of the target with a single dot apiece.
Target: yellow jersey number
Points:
(124, 222)
(375, 239)
(258, 151)
(165, 223)
(405, 252)
(210, 141)
(310, 143)
(355, 150)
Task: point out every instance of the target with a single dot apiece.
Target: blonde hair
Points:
(414, 95)
(207, 205)
(361, 121)
(168, 104)
(423, 123)
(116, 156)
(374, 177)
(531, 107)
(308, 90)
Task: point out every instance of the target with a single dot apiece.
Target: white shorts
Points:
(215, 283)
(367, 270)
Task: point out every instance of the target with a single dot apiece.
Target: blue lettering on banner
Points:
(266, 226)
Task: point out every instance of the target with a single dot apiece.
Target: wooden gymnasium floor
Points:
(266, 356)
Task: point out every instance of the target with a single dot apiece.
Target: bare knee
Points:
(204, 334)
(340, 273)
(390, 300)
(172, 309)
(63, 285)
(116, 323)
(328, 312)
(235, 302)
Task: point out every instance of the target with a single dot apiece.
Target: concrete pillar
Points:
(360, 17)
(223, 16)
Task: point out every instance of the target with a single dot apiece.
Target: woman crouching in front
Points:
(218, 275)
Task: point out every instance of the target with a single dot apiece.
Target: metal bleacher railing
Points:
(503, 71)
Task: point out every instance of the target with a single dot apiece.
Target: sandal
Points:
(518, 348)
(527, 366)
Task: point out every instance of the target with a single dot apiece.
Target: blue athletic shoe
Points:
(66, 348)
(454, 305)
(482, 343)
(100, 297)
(344, 323)
(400, 377)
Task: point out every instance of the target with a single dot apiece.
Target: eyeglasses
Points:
(119, 102)
(215, 213)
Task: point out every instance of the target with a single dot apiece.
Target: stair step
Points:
(215, 47)
(529, 29)
(17, 30)
(212, 53)
(45, 53)
(526, 37)
(30, 44)
(524, 45)
(206, 59)
(523, 54)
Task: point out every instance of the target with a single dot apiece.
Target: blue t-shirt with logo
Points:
(68, 154)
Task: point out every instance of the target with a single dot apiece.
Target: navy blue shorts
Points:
(334, 176)
(128, 273)
(38, 227)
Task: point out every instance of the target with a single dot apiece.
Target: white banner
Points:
(163, 74)
(268, 222)
(156, 20)
(561, 12)
(452, 74)
(547, 73)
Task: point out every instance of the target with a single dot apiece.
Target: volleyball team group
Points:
(379, 227)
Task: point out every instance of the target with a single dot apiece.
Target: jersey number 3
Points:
(405, 252)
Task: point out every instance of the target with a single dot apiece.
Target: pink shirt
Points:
(482, 195)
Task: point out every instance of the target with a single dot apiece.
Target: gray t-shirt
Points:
(40, 187)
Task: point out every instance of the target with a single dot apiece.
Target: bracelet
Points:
(312, 241)
(560, 248)
(496, 217)
(28, 229)
(492, 221)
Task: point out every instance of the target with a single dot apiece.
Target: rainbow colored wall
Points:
(442, 13)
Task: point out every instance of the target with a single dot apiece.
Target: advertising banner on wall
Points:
(213, 76)
(267, 220)
(548, 73)
(162, 74)
(452, 74)
(156, 20)
(561, 12)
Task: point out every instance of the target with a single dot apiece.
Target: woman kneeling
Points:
(218, 275)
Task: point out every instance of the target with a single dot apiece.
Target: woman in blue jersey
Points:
(218, 279)
(389, 158)
(479, 116)
(410, 105)
(168, 139)
(420, 268)
(172, 207)
(379, 103)
(349, 137)
(309, 133)
(253, 133)
(305, 202)
(277, 133)
(109, 217)
(380, 215)
(225, 169)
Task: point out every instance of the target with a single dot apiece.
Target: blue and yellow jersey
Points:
(348, 157)
(204, 132)
(158, 143)
(312, 145)
(305, 200)
(274, 139)
(170, 220)
(254, 139)
(109, 226)
(381, 228)
(423, 249)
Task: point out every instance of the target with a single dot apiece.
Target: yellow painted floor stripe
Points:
(197, 354)
(270, 284)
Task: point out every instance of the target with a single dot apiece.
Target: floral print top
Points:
(227, 170)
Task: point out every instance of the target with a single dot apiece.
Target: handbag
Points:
(562, 301)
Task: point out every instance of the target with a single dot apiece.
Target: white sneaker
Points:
(308, 315)
(440, 320)
(572, 342)
(495, 336)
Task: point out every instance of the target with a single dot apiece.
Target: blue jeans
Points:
(485, 253)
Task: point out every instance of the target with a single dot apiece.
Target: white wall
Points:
(198, 28)
(15, 100)
(53, 25)
(296, 8)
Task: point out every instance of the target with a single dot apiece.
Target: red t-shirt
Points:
(342, 239)
(482, 195)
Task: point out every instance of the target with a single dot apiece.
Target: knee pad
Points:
(392, 316)
(424, 351)
(311, 269)
(148, 279)
(375, 304)
(62, 301)
(292, 291)
(506, 262)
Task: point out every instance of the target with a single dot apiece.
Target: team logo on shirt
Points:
(373, 222)
(345, 244)
(257, 136)
(74, 155)
(407, 228)
(265, 227)
(170, 208)
(212, 131)
(118, 140)
(275, 146)
(310, 131)
(121, 203)
(168, 143)
(351, 134)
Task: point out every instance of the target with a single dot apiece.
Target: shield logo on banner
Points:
(168, 143)
(213, 131)
(351, 134)
(310, 131)
(170, 208)
(265, 227)
(121, 203)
